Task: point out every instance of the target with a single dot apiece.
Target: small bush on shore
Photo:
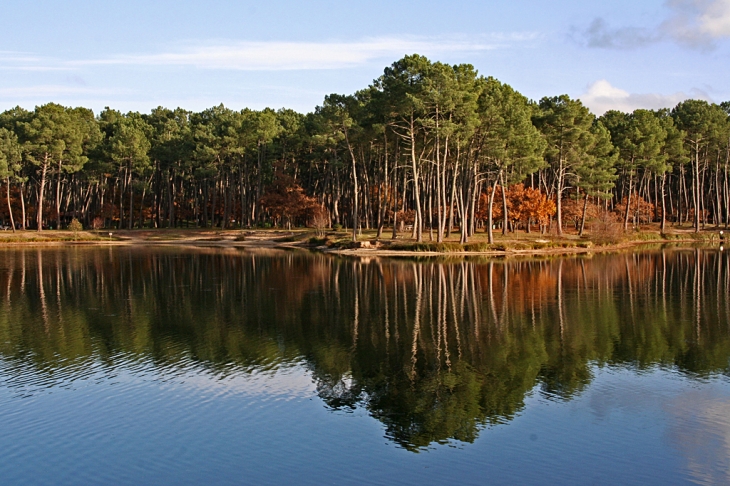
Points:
(315, 241)
(75, 226)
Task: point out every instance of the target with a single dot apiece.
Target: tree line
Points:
(427, 147)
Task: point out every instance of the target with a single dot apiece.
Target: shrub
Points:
(75, 226)
(319, 220)
(315, 241)
(607, 230)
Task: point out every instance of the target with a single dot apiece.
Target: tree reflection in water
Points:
(435, 350)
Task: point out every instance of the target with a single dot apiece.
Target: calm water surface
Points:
(183, 366)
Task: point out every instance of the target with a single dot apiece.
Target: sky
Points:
(136, 55)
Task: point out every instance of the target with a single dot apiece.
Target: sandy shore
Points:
(298, 239)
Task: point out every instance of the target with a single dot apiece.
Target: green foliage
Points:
(10, 155)
(511, 143)
(485, 247)
(596, 173)
(445, 247)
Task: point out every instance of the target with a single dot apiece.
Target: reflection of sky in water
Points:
(285, 383)
(650, 427)
(700, 430)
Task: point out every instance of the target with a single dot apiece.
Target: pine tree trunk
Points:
(505, 216)
(583, 217)
(418, 223)
(22, 205)
(41, 191)
(58, 196)
(490, 218)
(10, 209)
(664, 205)
(697, 188)
(131, 197)
(628, 203)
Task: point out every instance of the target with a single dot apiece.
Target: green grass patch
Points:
(445, 247)
(290, 238)
(482, 246)
(648, 236)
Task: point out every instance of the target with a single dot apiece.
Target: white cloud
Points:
(715, 21)
(277, 55)
(601, 96)
(698, 23)
(695, 23)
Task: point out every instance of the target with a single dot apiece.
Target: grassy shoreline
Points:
(340, 242)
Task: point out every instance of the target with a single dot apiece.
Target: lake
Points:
(170, 365)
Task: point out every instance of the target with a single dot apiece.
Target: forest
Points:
(428, 148)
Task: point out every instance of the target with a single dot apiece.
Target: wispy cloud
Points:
(277, 56)
(19, 61)
(694, 23)
(55, 90)
(601, 96)
(13, 56)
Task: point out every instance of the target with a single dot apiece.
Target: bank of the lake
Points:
(368, 242)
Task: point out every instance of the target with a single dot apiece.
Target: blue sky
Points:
(136, 55)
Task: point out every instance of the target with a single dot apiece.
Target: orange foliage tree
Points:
(535, 206)
(286, 202)
(525, 205)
